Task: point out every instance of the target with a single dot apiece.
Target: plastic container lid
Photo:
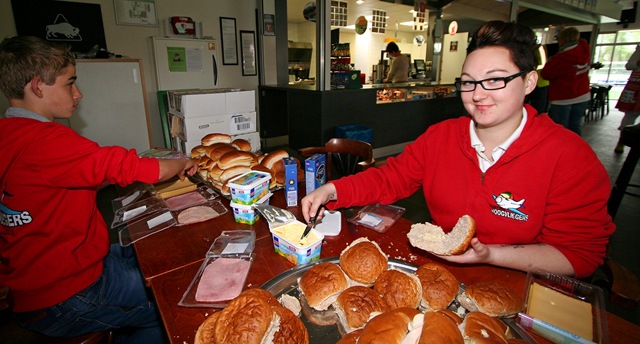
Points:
(378, 217)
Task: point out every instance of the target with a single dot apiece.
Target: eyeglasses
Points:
(488, 84)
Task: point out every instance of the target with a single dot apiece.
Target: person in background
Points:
(399, 70)
(629, 101)
(537, 192)
(539, 98)
(64, 278)
(568, 75)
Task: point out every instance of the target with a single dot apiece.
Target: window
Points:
(613, 51)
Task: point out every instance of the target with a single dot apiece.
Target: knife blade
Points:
(312, 222)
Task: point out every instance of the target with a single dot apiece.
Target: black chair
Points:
(599, 102)
(630, 137)
(344, 156)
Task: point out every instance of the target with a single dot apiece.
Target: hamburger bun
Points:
(205, 333)
(491, 298)
(432, 238)
(236, 158)
(479, 328)
(390, 327)
(231, 172)
(210, 139)
(262, 294)
(350, 338)
(322, 284)
(291, 329)
(197, 151)
(440, 327)
(271, 158)
(242, 145)
(216, 151)
(356, 305)
(399, 289)
(363, 261)
(439, 286)
(246, 319)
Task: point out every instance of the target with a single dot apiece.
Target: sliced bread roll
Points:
(363, 261)
(439, 286)
(480, 328)
(356, 305)
(322, 284)
(433, 239)
(399, 289)
(491, 298)
(389, 327)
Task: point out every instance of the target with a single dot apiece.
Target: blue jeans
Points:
(117, 301)
(569, 116)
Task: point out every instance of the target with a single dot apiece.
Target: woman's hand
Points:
(476, 253)
(311, 202)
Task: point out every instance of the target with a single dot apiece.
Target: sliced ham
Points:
(184, 200)
(196, 214)
(222, 280)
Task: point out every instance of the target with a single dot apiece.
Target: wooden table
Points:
(170, 259)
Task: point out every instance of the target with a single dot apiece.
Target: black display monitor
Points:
(420, 65)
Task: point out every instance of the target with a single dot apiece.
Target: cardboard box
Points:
(241, 101)
(315, 172)
(194, 129)
(191, 105)
(291, 181)
(186, 146)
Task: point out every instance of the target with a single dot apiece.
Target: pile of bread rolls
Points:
(220, 158)
(371, 303)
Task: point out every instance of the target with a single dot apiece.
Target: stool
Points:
(599, 102)
(630, 138)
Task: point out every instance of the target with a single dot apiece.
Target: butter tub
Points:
(286, 243)
(250, 187)
(247, 214)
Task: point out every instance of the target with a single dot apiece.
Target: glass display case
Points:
(411, 93)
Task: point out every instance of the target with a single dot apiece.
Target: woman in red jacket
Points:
(537, 191)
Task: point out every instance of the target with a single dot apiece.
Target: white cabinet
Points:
(113, 110)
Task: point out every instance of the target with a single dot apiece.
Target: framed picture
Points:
(136, 12)
(269, 21)
(248, 43)
(229, 38)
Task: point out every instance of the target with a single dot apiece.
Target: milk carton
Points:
(291, 181)
(315, 172)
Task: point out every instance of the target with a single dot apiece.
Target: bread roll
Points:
(246, 319)
(433, 239)
(205, 333)
(210, 139)
(262, 294)
(271, 158)
(216, 151)
(322, 284)
(350, 338)
(197, 151)
(291, 329)
(390, 327)
(232, 172)
(363, 261)
(479, 328)
(399, 289)
(440, 327)
(439, 286)
(491, 298)
(236, 158)
(242, 144)
(356, 305)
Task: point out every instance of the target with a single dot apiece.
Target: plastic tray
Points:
(378, 217)
(146, 226)
(240, 241)
(137, 210)
(577, 293)
(134, 195)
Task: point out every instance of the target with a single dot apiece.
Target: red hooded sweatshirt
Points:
(568, 72)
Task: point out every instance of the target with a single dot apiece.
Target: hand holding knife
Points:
(312, 222)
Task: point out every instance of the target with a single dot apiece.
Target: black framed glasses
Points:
(488, 84)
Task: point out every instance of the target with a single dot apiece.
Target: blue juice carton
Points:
(291, 181)
(315, 171)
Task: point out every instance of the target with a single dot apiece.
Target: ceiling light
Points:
(359, 2)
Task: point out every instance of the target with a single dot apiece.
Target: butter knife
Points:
(312, 222)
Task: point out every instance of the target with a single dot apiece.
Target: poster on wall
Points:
(74, 23)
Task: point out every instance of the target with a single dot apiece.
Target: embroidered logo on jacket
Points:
(508, 207)
(10, 217)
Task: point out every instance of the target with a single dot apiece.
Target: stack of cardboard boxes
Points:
(196, 113)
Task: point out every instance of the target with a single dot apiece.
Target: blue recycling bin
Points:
(355, 132)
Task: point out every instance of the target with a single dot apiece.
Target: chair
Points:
(599, 102)
(631, 138)
(12, 331)
(344, 156)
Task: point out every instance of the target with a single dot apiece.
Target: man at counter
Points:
(64, 278)
(537, 192)
(399, 71)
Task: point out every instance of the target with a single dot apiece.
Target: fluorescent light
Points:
(360, 2)
(407, 23)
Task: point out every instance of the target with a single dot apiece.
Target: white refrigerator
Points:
(184, 63)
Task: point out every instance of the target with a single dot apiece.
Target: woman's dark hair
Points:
(392, 48)
(520, 40)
